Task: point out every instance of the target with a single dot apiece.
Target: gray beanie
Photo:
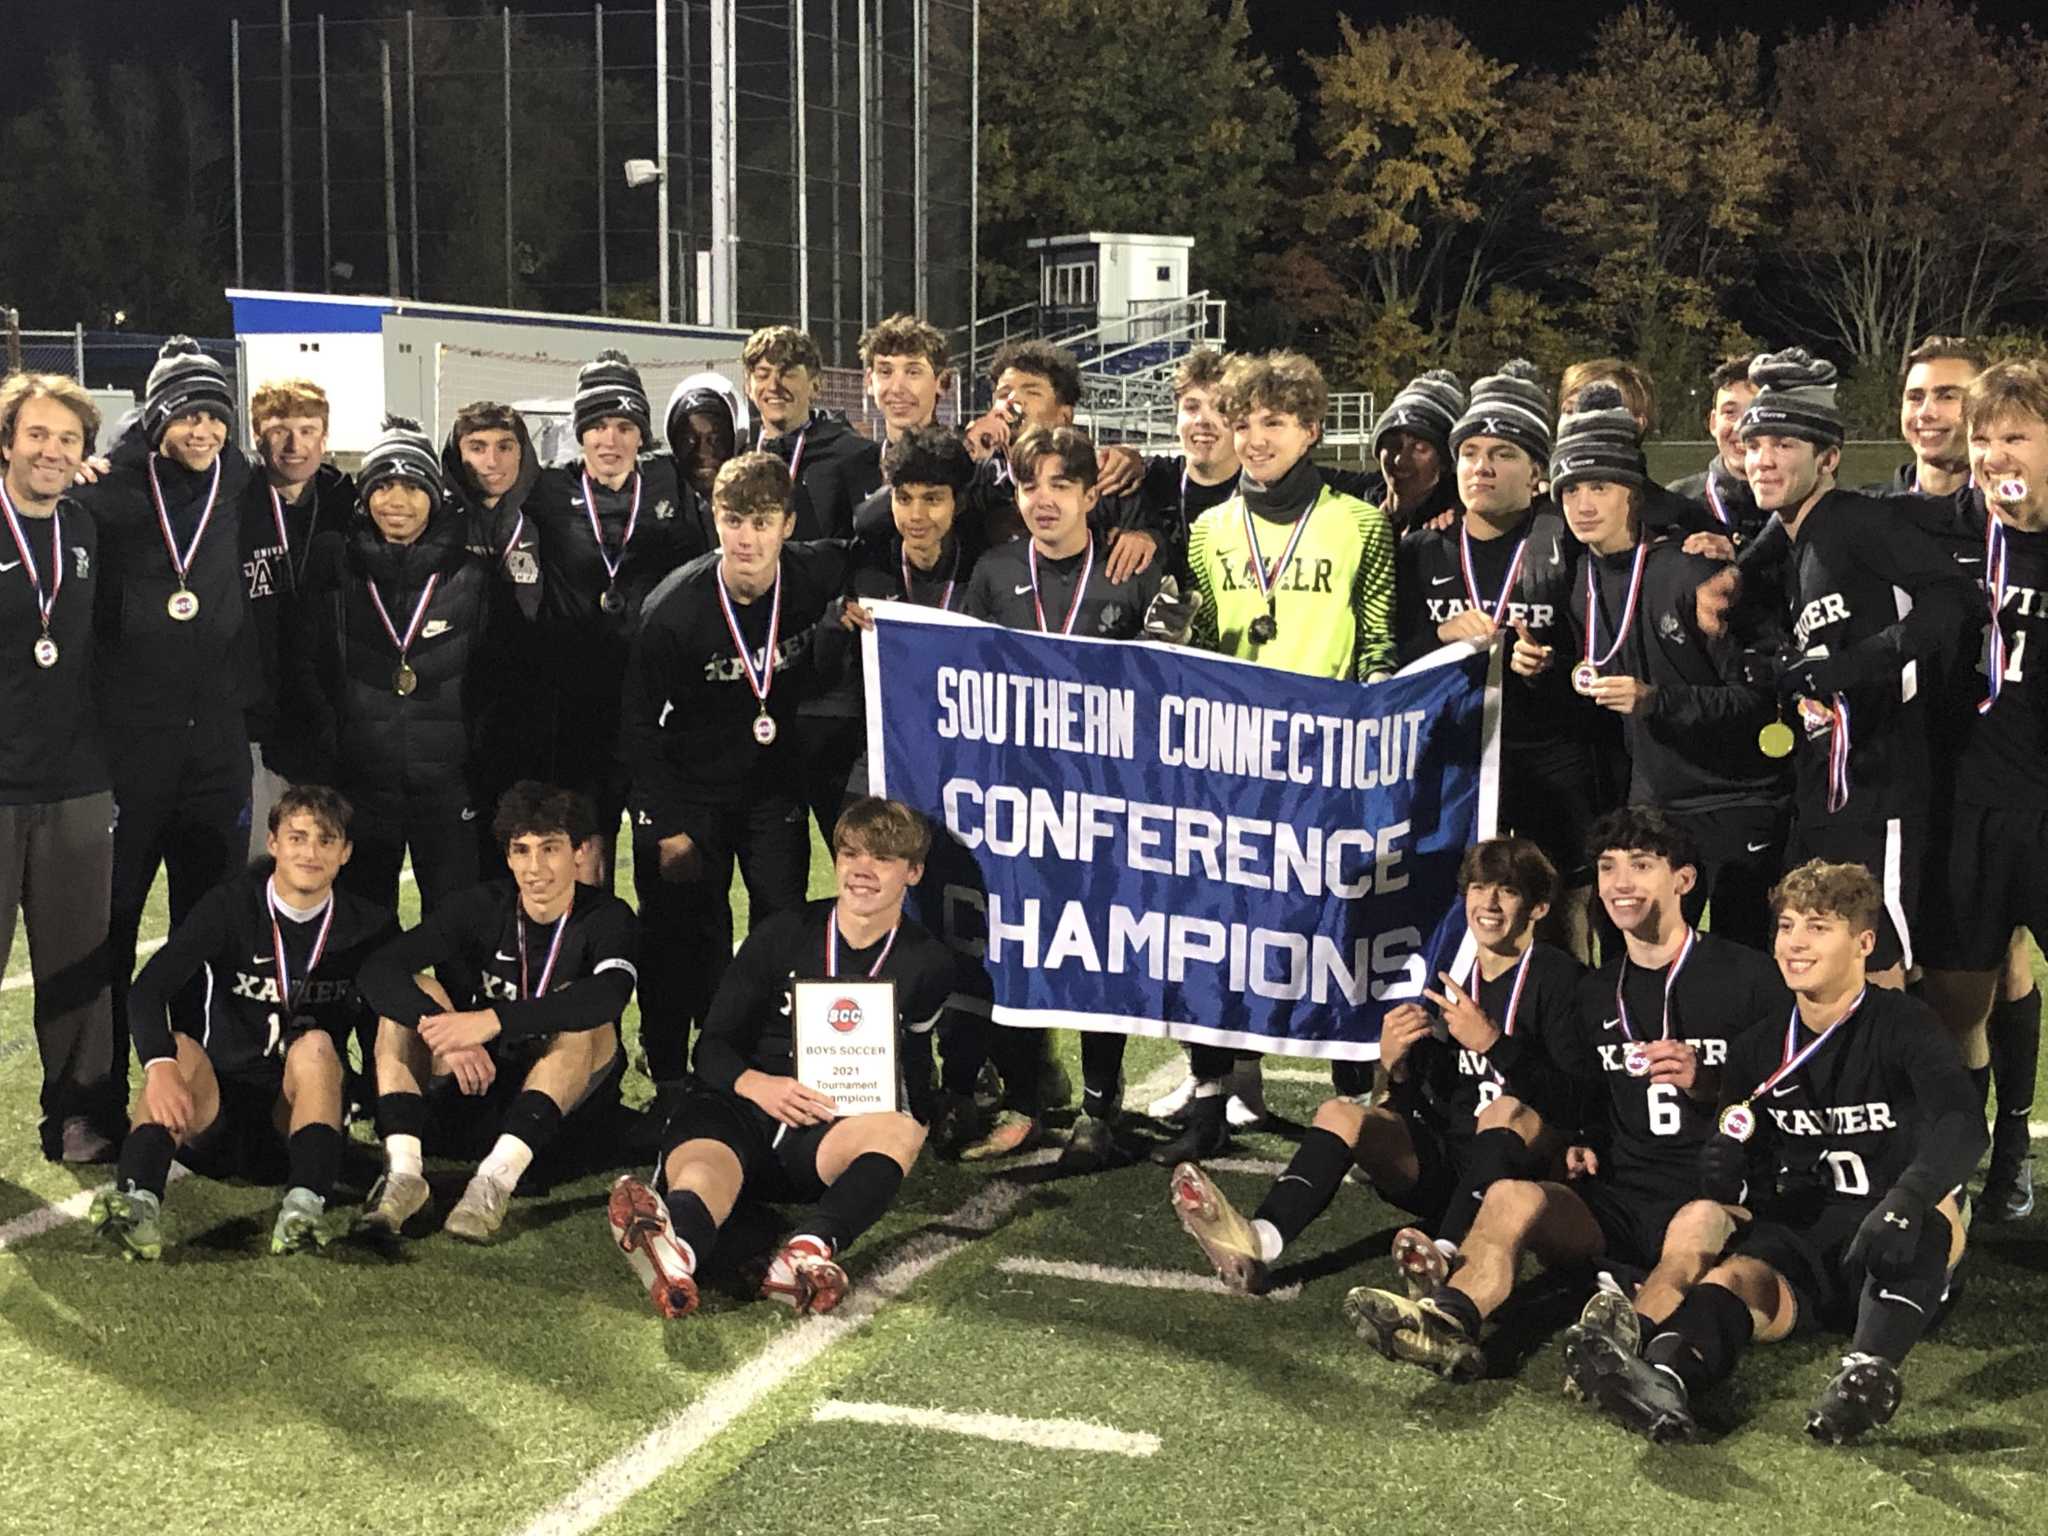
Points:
(609, 385)
(402, 452)
(1428, 406)
(1795, 398)
(1598, 440)
(1511, 405)
(184, 380)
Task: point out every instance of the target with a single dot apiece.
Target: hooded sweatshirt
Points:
(835, 468)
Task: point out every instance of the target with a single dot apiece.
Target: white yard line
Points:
(1042, 1434)
(1142, 1279)
(47, 1218)
(1267, 1166)
(1296, 1075)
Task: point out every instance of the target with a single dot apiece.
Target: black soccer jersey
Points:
(1451, 1085)
(1998, 756)
(749, 1026)
(1002, 592)
(1648, 1135)
(541, 979)
(1856, 1114)
(50, 749)
(249, 1018)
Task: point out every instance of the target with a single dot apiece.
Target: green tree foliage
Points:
(1149, 115)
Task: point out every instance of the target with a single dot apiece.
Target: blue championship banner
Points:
(1152, 840)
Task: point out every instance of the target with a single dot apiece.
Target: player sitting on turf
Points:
(553, 963)
(1855, 1126)
(257, 1093)
(752, 1128)
(1460, 1113)
(1646, 1038)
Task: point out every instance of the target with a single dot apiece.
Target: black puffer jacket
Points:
(272, 567)
(838, 471)
(388, 753)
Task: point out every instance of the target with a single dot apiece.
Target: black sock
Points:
(1016, 1055)
(534, 1118)
(1495, 1155)
(2016, 1051)
(401, 1114)
(1351, 1078)
(1893, 1312)
(1314, 1175)
(1703, 1337)
(314, 1153)
(1980, 1080)
(146, 1157)
(856, 1199)
(692, 1220)
(1102, 1073)
(1459, 1308)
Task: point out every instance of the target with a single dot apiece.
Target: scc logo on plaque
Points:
(844, 1015)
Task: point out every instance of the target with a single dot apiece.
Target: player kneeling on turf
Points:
(1462, 1107)
(1854, 1126)
(258, 1093)
(554, 962)
(753, 1128)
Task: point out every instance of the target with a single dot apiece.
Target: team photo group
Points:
(1740, 999)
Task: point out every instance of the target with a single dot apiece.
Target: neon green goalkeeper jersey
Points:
(1333, 608)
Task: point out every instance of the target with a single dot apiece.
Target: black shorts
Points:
(1984, 879)
(1742, 850)
(1804, 1239)
(1895, 851)
(1631, 1220)
(1547, 795)
(244, 1141)
(465, 1125)
(1440, 1162)
(778, 1163)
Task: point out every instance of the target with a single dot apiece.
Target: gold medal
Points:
(404, 681)
(764, 729)
(46, 652)
(1738, 1122)
(183, 606)
(1584, 676)
(1775, 740)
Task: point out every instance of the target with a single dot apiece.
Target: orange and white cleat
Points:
(641, 1228)
(803, 1276)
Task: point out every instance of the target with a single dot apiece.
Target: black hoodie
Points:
(502, 535)
(273, 569)
(838, 471)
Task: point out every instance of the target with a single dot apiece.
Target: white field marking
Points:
(685, 1433)
(1270, 1167)
(1143, 1279)
(2037, 1129)
(1296, 1075)
(47, 1218)
(1043, 1434)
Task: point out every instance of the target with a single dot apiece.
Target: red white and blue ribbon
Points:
(518, 531)
(611, 562)
(1670, 982)
(1628, 612)
(182, 564)
(946, 597)
(832, 946)
(1465, 569)
(1838, 756)
(547, 970)
(46, 602)
(1996, 556)
(760, 679)
(1080, 586)
(1262, 574)
(412, 627)
(284, 975)
(1472, 981)
(1720, 508)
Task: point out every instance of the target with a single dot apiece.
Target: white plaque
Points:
(846, 1042)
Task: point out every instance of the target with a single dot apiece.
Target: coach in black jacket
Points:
(396, 613)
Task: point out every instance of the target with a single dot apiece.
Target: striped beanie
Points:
(402, 452)
(1795, 398)
(1598, 440)
(1511, 405)
(1427, 407)
(184, 380)
(609, 385)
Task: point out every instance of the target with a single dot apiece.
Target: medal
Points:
(1775, 740)
(1738, 1122)
(1080, 586)
(183, 605)
(1670, 981)
(46, 602)
(1587, 673)
(547, 970)
(758, 682)
(1471, 578)
(1636, 1058)
(1264, 576)
(404, 680)
(285, 997)
(611, 602)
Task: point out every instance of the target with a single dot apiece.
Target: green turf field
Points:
(528, 1388)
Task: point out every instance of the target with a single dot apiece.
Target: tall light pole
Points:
(661, 148)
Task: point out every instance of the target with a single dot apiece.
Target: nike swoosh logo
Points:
(1557, 554)
(260, 959)
(1963, 560)
(1779, 1093)
(11, 565)
(435, 627)
(1022, 590)
(1756, 847)
(508, 959)
(1610, 1023)
(1441, 581)
(1904, 1301)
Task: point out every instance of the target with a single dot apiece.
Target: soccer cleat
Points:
(301, 1222)
(1173, 1104)
(1207, 1133)
(803, 1276)
(1013, 1132)
(1422, 1264)
(131, 1219)
(1225, 1238)
(1247, 1089)
(1864, 1394)
(481, 1210)
(953, 1126)
(394, 1200)
(1610, 1313)
(1646, 1399)
(642, 1229)
(1402, 1328)
(1091, 1147)
(2008, 1189)
(81, 1142)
